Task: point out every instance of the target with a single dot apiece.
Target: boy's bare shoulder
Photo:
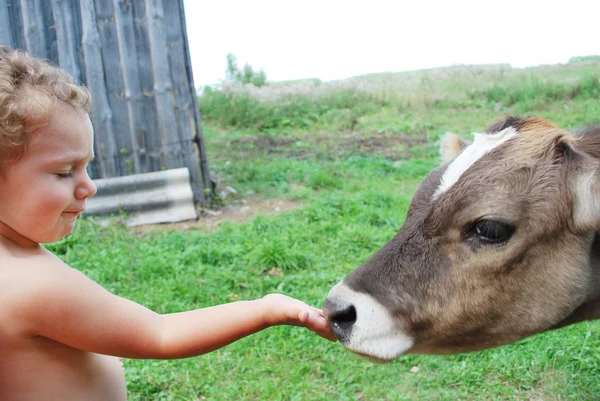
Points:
(29, 268)
(32, 271)
(25, 278)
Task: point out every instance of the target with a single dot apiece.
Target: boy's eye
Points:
(65, 175)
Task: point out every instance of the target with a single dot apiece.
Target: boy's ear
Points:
(451, 145)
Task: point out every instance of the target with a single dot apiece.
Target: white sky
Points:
(334, 39)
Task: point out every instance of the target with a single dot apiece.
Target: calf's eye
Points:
(491, 231)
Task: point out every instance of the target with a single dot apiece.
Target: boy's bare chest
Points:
(43, 369)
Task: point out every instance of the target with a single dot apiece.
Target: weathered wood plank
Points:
(197, 126)
(33, 28)
(149, 139)
(131, 83)
(115, 87)
(15, 24)
(163, 88)
(49, 31)
(75, 7)
(67, 35)
(104, 165)
(5, 31)
(184, 102)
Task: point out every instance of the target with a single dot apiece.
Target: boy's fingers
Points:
(308, 311)
(327, 334)
(312, 319)
(319, 311)
(304, 316)
(320, 326)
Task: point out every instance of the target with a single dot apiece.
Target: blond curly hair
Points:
(30, 90)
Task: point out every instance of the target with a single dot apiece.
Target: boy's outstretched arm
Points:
(223, 324)
(63, 305)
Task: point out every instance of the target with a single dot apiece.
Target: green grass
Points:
(354, 185)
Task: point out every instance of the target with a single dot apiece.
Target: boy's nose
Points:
(86, 189)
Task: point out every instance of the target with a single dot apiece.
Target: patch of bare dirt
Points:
(263, 142)
(393, 146)
(236, 213)
(390, 146)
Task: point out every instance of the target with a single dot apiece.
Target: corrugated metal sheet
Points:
(158, 197)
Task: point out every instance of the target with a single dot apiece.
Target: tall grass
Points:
(338, 105)
(250, 108)
(533, 91)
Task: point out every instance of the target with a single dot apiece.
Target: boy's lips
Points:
(73, 211)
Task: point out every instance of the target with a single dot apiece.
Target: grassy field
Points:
(347, 156)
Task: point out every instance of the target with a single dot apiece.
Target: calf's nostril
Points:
(344, 318)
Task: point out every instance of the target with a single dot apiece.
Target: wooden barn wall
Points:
(133, 55)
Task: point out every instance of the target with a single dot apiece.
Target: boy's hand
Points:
(282, 309)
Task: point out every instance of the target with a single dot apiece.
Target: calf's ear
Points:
(451, 145)
(586, 200)
(583, 172)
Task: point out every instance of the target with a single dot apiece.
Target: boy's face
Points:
(42, 194)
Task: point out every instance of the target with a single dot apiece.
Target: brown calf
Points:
(499, 243)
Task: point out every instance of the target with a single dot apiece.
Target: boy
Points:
(60, 333)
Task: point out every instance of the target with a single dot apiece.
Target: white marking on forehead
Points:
(482, 144)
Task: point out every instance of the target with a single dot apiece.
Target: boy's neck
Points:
(10, 239)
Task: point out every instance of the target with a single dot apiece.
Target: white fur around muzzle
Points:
(375, 335)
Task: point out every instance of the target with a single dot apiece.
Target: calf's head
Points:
(499, 243)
